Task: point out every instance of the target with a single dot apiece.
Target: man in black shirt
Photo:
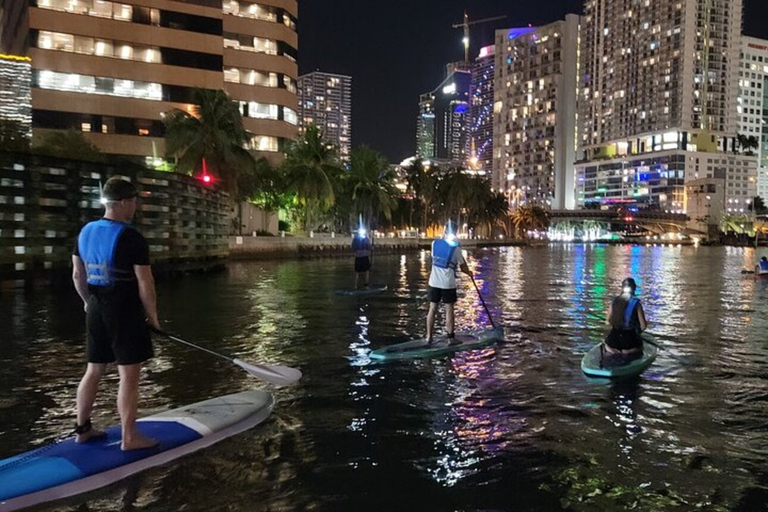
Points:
(112, 275)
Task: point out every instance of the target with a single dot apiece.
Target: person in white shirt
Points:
(446, 259)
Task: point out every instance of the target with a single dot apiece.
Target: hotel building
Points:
(534, 127)
(111, 69)
(658, 95)
(325, 100)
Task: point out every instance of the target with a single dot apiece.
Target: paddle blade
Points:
(277, 375)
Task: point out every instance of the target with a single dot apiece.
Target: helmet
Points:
(629, 285)
(450, 228)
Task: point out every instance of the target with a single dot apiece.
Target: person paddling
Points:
(762, 268)
(112, 274)
(446, 259)
(627, 320)
(362, 248)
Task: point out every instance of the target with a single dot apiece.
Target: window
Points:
(97, 85)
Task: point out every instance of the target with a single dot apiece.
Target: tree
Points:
(414, 174)
(311, 167)
(13, 136)
(213, 130)
(529, 217)
(370, 185)
(748, 143)
(70, 144)
(758, 206)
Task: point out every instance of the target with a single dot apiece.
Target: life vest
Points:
(97, 244)
(630, 320)
(442, 253)
(763, 265)
(362, 246)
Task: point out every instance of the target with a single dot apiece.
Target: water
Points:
(515, 426)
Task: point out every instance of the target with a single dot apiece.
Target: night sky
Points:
(397, 50)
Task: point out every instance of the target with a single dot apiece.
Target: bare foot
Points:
(90, 435)
(139, 442)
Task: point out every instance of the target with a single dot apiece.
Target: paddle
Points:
(277, 375)
(490, 318)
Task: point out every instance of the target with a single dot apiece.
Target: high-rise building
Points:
(111, 69)
(658, 94)
(481, 112)
(450, 104)
(325, 100)
(534, 137)
(753, 104)
(425, 127)
(16, 93)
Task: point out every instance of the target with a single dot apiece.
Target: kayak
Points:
(420, 348)
(596, 364)
(67, 468)
(363, 291)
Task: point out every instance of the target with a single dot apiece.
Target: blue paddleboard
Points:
(67, 468)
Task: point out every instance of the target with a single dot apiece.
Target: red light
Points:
(206, 178)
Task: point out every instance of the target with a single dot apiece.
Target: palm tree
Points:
(311, 167)
(370, 184)
(212, 130)
(528, 217)
(414, 176)
(494, 211)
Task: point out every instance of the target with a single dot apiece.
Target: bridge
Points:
(655, 221)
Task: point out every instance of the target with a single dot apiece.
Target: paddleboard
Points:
(439, 346)
(363, 291)
(67, 468)
(596, 364)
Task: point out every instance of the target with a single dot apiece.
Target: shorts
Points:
(117, 332)
(362, 264)
(447, 296)
(623, 340)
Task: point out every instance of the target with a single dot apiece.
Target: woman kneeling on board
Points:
(627, 320)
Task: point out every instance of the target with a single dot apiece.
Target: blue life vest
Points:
(630, 320)
(362, 246)
(442, 253)
(763, 265)
(97, 244)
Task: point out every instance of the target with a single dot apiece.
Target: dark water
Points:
(515, 426)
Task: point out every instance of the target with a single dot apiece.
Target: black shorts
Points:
(362, 264)
(623, 340)
(117, 332)
(447, 296)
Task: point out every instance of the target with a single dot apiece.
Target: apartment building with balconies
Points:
(534, 135)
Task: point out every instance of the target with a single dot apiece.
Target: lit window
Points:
(86, 127)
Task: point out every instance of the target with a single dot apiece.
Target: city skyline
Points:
(392, 68)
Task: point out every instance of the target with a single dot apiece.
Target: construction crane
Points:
(465, 25)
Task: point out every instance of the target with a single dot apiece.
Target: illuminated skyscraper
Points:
(425, 127)
(16, 93)
(658, 96)
(481, 112)
(325, 100)
(753, 104)
(535, 113)
(449, 104)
